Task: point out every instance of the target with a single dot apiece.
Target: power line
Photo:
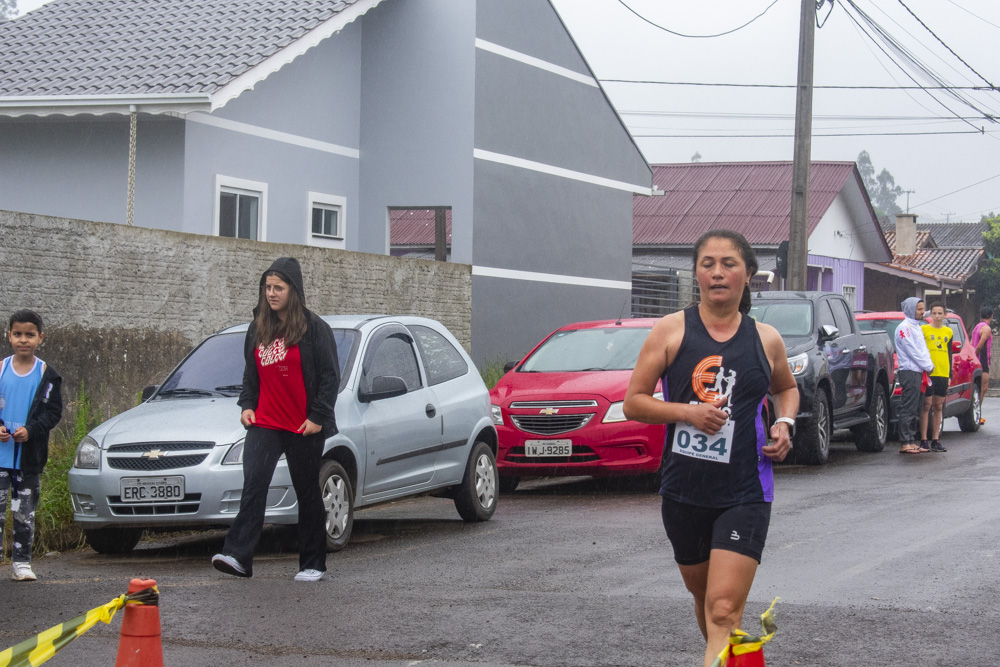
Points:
(680, 34)
(791, 85)
(789, 136)
(781, 116)
(976, 15)
(959, 190)
(952, 52)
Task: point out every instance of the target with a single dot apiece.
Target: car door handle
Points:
(430, 410)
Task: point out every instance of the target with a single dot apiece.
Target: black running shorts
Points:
(937, 387)
(694, 531)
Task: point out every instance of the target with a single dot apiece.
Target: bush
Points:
(492, 371)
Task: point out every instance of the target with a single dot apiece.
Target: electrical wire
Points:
(985, 180)
(814, 135)
(790, 85)
(950, 50)
(976, 15)
(680, 34)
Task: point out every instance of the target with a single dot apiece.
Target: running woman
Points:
(717, 483)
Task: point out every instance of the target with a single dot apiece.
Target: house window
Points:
(326, 220)
(242, 207)
(850, 294)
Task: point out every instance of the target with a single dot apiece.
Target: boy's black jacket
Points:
(43, 415)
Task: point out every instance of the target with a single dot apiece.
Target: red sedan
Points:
(964, 398)
(559, 410)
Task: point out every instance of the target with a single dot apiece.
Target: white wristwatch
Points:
(790, 422)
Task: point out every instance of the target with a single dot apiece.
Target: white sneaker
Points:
(229, 565)
(22, 572)
(309, 575)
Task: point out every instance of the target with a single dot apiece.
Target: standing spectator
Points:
(30, 407)
(938, 339)
(982, 340)
(290, 385)
(913, 360)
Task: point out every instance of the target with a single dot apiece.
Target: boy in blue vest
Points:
(30, 407)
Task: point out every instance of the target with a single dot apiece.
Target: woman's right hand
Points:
(708, 417)
(248, 418)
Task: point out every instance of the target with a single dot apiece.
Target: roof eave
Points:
(97, 105)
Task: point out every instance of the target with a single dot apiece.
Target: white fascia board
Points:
(535, 276)
(552, 170)
(97, 105)
(272, 64)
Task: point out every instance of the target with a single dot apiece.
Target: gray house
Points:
(309, 122)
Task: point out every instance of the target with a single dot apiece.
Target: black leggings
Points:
(261, 451)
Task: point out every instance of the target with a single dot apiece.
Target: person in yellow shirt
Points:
(938, 338)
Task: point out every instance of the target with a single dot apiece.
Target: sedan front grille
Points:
(189, 505)
(161, 463)
(550, 424)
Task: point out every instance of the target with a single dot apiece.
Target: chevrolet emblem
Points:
(548, 411)
(153, 454)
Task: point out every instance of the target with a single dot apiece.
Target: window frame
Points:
(371, 348)
(328, 201)
(233, 185)
(429, 368)
(852, 300)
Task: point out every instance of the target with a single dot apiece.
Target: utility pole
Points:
(908, 193)
(798, 224)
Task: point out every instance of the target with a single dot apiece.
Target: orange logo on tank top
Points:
(710, 380)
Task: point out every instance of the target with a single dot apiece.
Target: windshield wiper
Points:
(594, 368)
(230, 387)
(185, 391)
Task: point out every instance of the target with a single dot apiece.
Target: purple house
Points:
(753, 198)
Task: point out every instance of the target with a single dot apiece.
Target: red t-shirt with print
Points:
(282, 401)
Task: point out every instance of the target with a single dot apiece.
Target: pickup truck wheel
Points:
(969, 421)
(476, 498)
(812, 442)
(871, 437)
(113, 540)
(338, 502)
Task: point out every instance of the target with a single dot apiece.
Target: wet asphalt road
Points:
(879, 559)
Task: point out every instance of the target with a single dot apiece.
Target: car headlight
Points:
(88, 454)
(497, 415)
(234, 457)
(799, 363)
(616, 411)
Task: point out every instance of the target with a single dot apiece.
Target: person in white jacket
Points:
(912, 361)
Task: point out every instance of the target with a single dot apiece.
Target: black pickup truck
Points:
(843, 373)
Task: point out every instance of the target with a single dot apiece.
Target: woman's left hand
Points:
(309, 428)
(778, 450)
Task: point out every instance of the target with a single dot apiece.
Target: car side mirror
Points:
(956, 346)
(148, 391)
(509, 366)
(384, 386)
(828, 332)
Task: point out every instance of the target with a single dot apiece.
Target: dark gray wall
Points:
(417, 112)
(79, 168)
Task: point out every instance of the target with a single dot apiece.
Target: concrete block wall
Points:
(122, 305)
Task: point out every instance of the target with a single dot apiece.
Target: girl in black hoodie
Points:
(290, 384)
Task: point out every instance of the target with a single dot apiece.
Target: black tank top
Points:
(728, 468)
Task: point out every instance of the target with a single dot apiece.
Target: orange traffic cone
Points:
(140, 644)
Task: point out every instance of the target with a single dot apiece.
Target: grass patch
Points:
(492, 371)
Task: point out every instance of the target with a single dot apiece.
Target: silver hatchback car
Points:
(413, 413)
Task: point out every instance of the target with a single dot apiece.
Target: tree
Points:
(8, 10)
(988, 278)
(882, 188)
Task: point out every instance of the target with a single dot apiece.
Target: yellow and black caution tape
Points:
(740, 642)
(38, 649)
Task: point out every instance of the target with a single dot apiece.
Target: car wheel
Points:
(508, 484)
(871, 437)
(969, 420)
(476, 498)
(113, 540)
(812, 443)
(338, 501)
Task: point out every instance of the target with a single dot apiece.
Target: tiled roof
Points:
(945, 234)
(753, 198)
(950, 263)
(924, 240)
(415, 227)
(105, 47)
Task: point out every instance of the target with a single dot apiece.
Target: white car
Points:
(413, 416)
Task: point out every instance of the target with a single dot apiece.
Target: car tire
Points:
(113, 540)
(507, 484)
(338, 502)
(871, 436)
(812, 441)
(476, 497)
(969, 420)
